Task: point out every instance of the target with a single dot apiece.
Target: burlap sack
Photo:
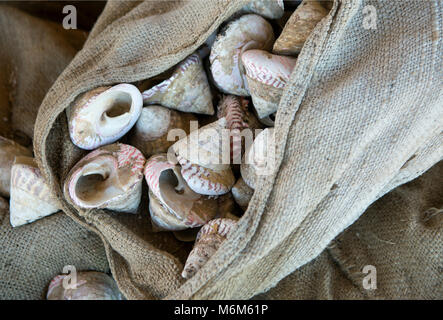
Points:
(401, 235)
(362, 113)
(33, 54)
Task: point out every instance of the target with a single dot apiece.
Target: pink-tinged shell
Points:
(271, 9)
(30, 198)
(8, 151)
(103, 115)
(248, 32)
(206, 181)
(150, 133)
(107, 178)
(267, 75)
(88, 285)
(187, 90)
(299, 26)
(209, 239)
(184, 208)
(242, 193)
(259, 159)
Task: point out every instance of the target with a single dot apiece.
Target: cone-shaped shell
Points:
(150, 133)
(186, 90)
(248, 32)
(8, 151)
(259, 159)
(207, 147)
(209, 239)
(242, 193)
(267, 75)
(298, 28)
(86, 285)
(271, 9)
(183, 207)
(31, 198)
(107, 178)
(103, 115)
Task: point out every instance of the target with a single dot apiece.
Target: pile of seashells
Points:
(193, 181)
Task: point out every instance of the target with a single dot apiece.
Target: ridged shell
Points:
(209, 239)
(183, 207)
(242, 193)
(298, 28)
(150, 133)
(248, 32)
(271, 9)
(267, 75)
(31, 198)
(88, 285)
(8, 151)
(103, 115)
(186, 90)
(107, 178)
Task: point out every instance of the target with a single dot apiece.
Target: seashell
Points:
(150, 133)
(247, 32)
(226, 206)
(31, 198)
(271, 9)
(8, 151)
(298, 28)
(173, 204)
(209, 239)
(103, 115)
(267, 75)
(84, 285)
(259, 158)
(107, 178)
(186, 90)
(242, 193)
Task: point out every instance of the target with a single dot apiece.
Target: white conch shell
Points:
(209, 239)
(259, 159)
(150, 133)
(31, 198)
(242, 193)
(299, 26)
(267, 75)
(85, 285)
(248, 32)
(8, 151)
(107, 178)
(183, 208)
(103, 115)
(271, 9)
(186, 90)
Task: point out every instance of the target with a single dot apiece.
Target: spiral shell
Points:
(209, 239)
(86, 285)
(103, 115)
(186, 90)
(8, 151)
(267, 75)
(31, 198)
(248, 32)
(298, 28)
(107, 178)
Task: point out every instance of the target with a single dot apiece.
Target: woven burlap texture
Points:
(361, 107)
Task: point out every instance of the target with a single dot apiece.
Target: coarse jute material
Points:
(361, 114)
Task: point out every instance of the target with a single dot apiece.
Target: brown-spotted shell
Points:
(209, 239)
(187, 90)
(247, 32)
(298, 28)
(151, 131)
(84, 285)
(267, 75)
(107, 178)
